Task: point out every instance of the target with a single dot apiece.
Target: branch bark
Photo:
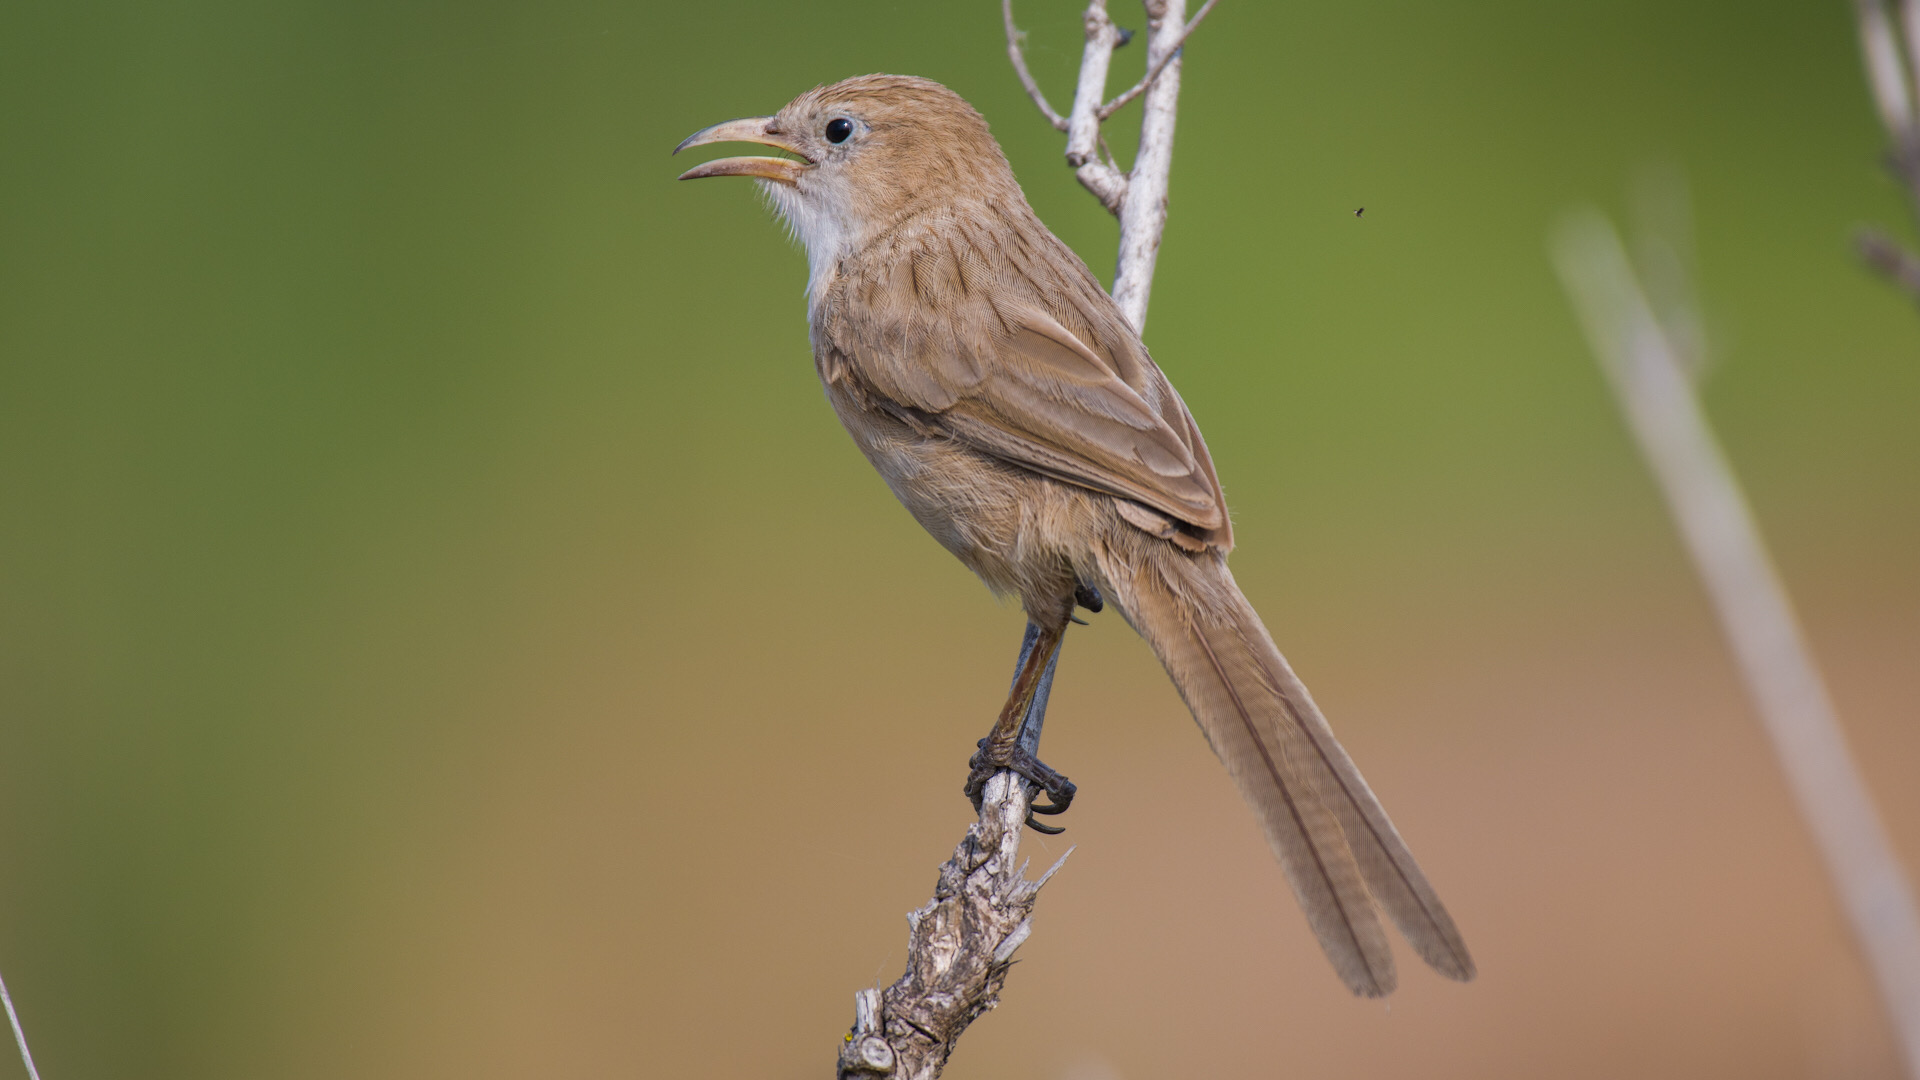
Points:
(959, 948)
(1658, 396)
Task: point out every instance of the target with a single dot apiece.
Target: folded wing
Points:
(1010, 379)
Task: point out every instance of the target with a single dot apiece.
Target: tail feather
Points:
(1332, 837)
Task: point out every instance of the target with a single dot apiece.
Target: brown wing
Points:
(1049, 403)
(992, 368)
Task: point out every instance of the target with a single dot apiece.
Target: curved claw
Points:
(992, 759)
(1050, 830)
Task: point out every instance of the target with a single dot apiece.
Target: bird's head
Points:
(867, 152)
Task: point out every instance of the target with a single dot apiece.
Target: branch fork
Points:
(1137, 197)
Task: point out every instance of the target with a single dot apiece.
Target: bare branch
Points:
(1143, 215)
(1153, 73)
(1083, 125)
(20, 1036)
(1084, 141)
(959, 948)
(1020, 68)
(1705, 499)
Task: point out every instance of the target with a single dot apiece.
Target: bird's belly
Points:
(991, 515)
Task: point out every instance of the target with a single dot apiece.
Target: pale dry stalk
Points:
(1658, 396)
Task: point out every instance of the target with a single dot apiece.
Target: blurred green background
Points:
(444, 632)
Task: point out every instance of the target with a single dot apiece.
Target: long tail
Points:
(1330, 834)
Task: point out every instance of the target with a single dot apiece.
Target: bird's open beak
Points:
(753, 129)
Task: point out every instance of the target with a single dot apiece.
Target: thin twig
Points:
(1153, 73)
(19, 1036)
(1720, 533)
(1020, 67)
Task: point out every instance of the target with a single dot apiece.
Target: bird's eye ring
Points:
(839, 129)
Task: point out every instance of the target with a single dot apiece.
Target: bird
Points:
(1014, 411)
(1360, 211)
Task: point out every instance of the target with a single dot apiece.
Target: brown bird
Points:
(1014, 411)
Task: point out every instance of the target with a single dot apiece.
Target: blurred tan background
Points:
(444, 632)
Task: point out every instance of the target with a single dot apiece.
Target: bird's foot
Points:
(1088, 596)
(992, 759)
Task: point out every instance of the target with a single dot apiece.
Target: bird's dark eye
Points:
(838, 129)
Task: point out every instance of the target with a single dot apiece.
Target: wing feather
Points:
(961, 340)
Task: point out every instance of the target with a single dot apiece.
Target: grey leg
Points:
(1036, 712)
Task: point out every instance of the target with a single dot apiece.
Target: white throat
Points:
(823, 223)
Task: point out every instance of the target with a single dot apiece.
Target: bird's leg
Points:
(1014, 741)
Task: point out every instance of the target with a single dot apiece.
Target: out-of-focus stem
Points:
(1704, 498)
(1885, 71)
